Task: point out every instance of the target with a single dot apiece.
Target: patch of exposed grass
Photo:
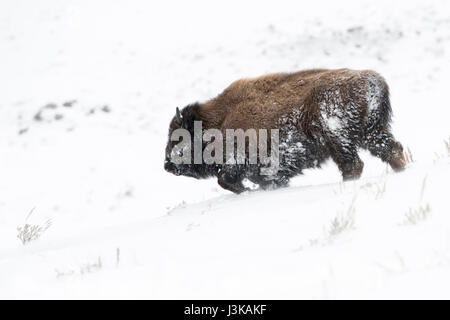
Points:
(447, 145)
(344, 221)
(83, 269)
(408, 156)
(415, 215)
(31, 232)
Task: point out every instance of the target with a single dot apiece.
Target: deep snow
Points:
(121, 227)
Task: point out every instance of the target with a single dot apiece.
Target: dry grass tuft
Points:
(416, 215)
(343, 221)
(408, 155)
(31, 232)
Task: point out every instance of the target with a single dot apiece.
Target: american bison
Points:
(318, 114)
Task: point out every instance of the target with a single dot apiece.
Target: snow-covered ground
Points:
(88, 90)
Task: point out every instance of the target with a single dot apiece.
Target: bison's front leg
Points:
(230, 179)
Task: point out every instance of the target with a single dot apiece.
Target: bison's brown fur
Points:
(327, 112)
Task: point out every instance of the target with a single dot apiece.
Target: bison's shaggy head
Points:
(184, 119)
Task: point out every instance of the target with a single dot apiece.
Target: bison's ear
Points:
(178, 116)
(188, 115)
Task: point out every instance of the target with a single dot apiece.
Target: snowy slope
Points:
(88, 91)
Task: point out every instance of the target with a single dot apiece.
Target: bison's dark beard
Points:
(198, 171)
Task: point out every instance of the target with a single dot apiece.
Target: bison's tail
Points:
(378, 102)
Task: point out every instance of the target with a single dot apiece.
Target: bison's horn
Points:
(178, 115)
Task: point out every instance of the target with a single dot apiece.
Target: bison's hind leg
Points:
(342, 143)
(378, 138)
(347, 159)
(382, 144)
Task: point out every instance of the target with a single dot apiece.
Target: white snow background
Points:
(121, 227)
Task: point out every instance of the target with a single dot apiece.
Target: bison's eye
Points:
(177, 152)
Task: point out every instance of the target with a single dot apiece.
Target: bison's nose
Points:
(172, 168)
(168, 166)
